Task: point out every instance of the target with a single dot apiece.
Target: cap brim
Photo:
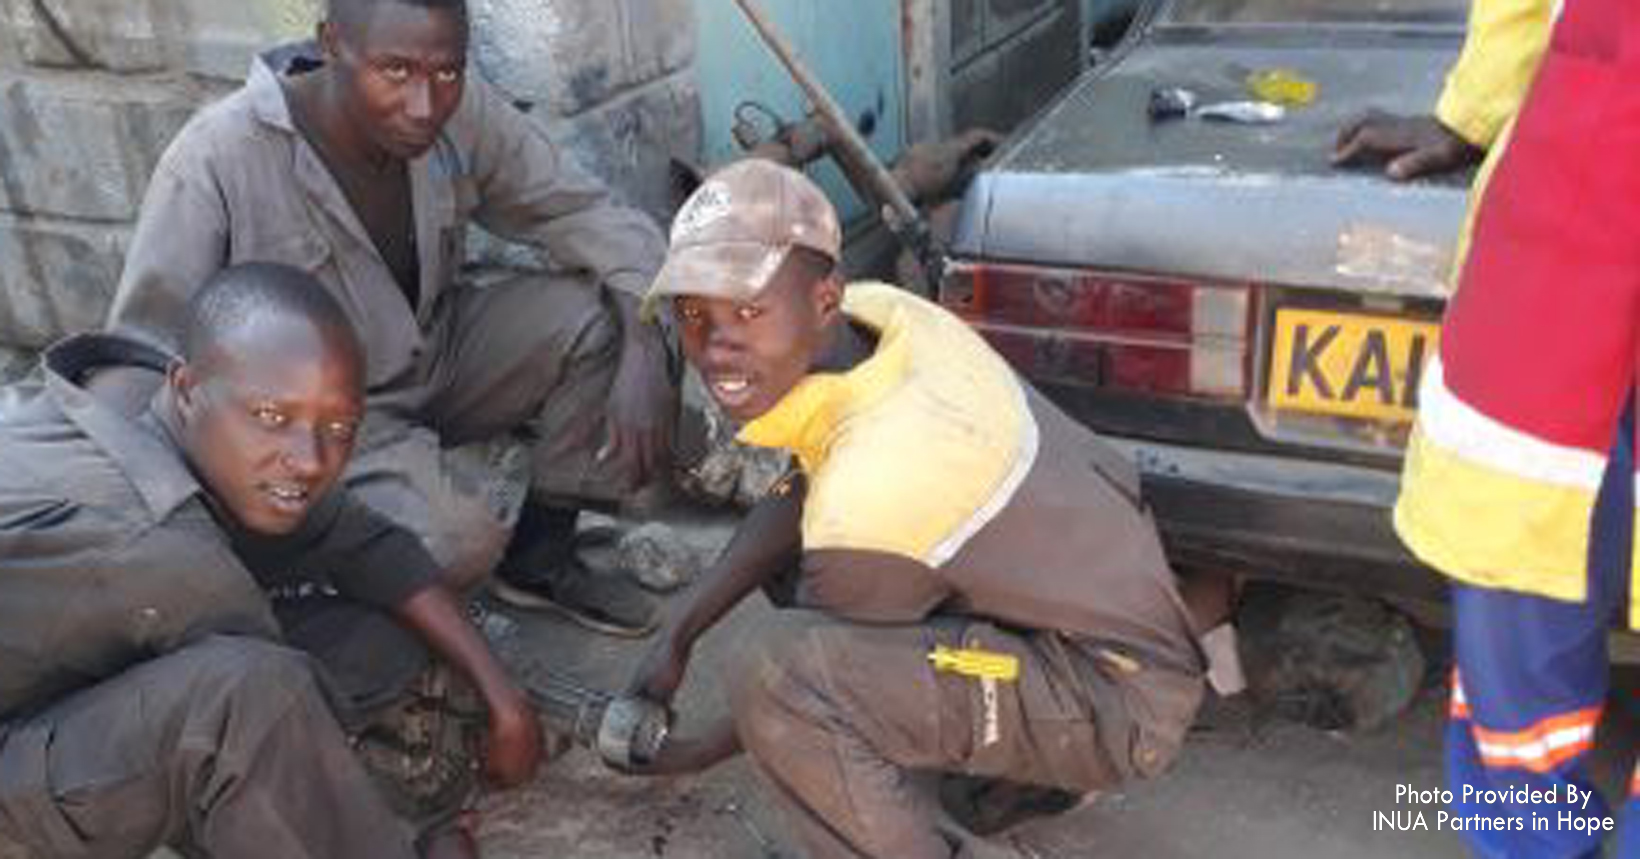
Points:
(734, 270)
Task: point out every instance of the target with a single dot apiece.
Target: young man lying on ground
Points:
(985, 591)
(147, 693)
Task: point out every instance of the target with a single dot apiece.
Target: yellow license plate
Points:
(1349, 364)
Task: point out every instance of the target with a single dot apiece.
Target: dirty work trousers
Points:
(224, 748)
(836, 714)
(511, 400)
(1530, 689)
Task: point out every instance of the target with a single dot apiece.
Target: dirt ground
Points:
(1248, 785)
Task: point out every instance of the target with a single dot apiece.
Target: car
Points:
(1246, 320)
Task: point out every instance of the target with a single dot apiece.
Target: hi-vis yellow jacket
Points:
(1498, 489)
(1487, 84)
(1485, 87)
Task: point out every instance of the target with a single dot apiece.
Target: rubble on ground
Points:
(730, 473)
(657, 557)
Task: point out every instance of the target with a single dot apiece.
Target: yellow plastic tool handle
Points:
(972, 662)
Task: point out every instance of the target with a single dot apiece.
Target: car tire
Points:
(1332, 661)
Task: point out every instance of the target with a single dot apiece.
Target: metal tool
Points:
(1177, 103)
(1171, 103)
(624, 730)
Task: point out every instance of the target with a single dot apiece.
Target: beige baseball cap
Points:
(732, 234)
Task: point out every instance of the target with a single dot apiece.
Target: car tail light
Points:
(1114, 331)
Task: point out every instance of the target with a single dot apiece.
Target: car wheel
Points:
(1333, 661)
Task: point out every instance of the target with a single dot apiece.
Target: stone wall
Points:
(92, 90)
(612, 78)
(1010, 57)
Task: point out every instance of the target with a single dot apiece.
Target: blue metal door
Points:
(853, 46)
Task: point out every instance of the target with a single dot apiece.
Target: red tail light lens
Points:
(1120, 332)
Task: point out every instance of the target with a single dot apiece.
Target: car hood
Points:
(1094, 182)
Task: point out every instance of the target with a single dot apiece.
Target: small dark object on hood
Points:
(1171, 103)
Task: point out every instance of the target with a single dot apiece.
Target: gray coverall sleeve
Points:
(181, 239)
(530, 190)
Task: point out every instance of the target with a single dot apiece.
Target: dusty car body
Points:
(1245, 319)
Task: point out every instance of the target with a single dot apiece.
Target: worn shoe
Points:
(606, 604)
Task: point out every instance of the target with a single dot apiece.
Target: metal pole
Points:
(902, 217)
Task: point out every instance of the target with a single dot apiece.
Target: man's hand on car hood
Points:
(1412, 146)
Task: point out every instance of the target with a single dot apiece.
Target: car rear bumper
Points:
(1310, 523)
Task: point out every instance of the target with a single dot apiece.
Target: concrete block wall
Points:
(89, 96)
(91, 93)
(1009, 58)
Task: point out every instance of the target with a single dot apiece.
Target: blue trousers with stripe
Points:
(1531, 679)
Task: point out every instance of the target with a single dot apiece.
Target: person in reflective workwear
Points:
(984, 591)
(1512, 486)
